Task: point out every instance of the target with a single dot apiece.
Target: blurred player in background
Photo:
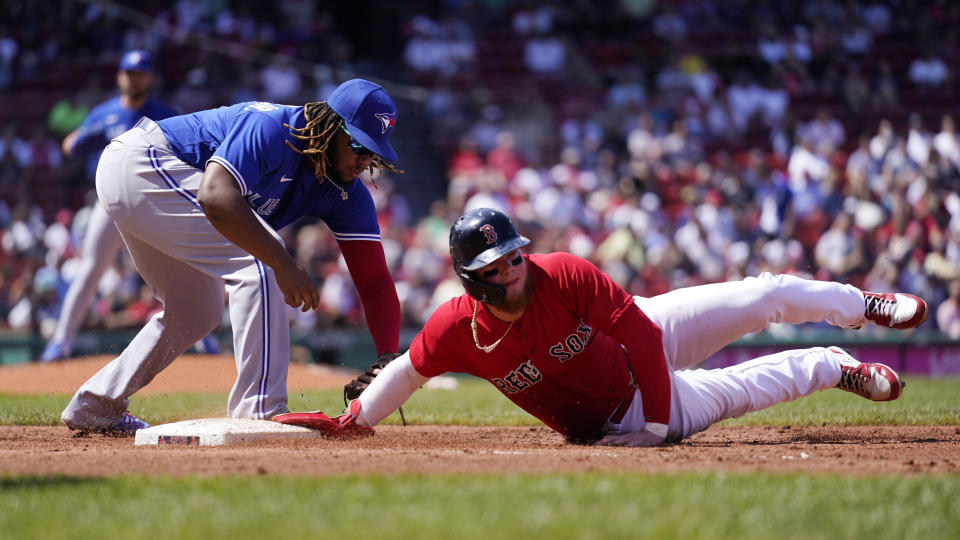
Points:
(198, 199)
(101, 241)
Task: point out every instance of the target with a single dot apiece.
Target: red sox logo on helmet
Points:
(489, 233)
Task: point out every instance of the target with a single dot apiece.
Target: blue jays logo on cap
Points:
(388, 119)
(369, 114)
(136, 61)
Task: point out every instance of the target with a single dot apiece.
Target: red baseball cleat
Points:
(895, 310)
(875, 382)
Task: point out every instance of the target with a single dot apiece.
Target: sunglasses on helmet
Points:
(357, 148)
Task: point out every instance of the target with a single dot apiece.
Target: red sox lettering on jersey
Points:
(527, 373)
(525, 376)
(573, 344)
(565, 359)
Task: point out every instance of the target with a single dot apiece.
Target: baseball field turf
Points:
(471, 465)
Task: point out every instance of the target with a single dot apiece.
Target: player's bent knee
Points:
(192, 322)
(210, 318)
(775, 283)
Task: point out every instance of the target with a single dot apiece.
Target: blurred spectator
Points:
(280, 81)
(489, 193)
(194, 94)
(545, 54)
(883, 141)
(668, 24)
(839, 251)
(877, 16)
(946, 142)
(702, 80)
(856, 89)
(928, 71)
(773, 100)
(444, 47)
(8, 54)
(465, 162)
(798, 45)
(806, 165)
(40, 151)
(884, 86)
(918, 141)
(484, 132)
(948, 313)
(857, 39)
(534, 19)
(825, 131)
(136, 313)
(626, 91)
(742, 100)
(503, 158)
(66, 115)
(861, 161)
(770, 45)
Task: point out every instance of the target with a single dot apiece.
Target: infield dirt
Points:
(430, 449)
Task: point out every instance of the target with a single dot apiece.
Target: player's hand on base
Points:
(644, 437)
(297, 287)
(343, 427)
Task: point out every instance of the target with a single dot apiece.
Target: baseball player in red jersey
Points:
(561, 340)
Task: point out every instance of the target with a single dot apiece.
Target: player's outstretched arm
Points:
(381, 305)
(69, 142)
(388, 391)
(641, 338)
(219, 196)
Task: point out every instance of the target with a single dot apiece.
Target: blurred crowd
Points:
(671, 143)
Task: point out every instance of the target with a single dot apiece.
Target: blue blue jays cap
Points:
(369, 113)
(136, 61)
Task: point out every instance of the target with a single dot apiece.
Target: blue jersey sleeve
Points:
(354, 218)
(92, 135)
(253, 149)
(110, 119)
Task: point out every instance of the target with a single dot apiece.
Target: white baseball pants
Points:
(699, 321)
(151, 196)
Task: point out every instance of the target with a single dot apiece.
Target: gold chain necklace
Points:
(343, 192)
(473, 326)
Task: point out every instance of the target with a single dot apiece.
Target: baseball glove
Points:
(354, 388)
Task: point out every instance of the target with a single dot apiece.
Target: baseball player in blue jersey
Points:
(101, 240)
(198, 198)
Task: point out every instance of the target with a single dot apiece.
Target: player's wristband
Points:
(657, 429)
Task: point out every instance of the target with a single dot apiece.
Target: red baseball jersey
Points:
(558, 362)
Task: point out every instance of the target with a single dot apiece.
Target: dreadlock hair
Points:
(322, 125)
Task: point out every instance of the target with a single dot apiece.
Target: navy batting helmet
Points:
(478, 238)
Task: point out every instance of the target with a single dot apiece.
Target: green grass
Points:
(600, 506)
(926, 401)
(591, 505)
